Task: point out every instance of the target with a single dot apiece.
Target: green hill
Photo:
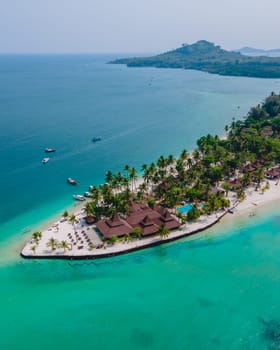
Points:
(206, 56)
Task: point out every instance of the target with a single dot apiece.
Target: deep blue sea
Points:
(217, 291)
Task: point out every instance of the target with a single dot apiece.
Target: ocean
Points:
(218, 290)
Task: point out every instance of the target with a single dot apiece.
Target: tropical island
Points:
(174, 197)
(207, 57)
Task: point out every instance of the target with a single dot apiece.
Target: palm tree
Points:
(133, 176)
(64, 245)
(184, 155)
(241, 194)
(36, 236)
(65, 214)
(226, 187)
(163, 231)
(90, 246)
(136, 232)
(196, 155)
(226, 129)
(89, 209)
(72, 219)
(52, 243)
(170, 160)
(107, 193)
(109, 177)
(95, 194)
(128, 238)
(33, 248)
(127, 170)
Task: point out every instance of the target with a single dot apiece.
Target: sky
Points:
(118, 26)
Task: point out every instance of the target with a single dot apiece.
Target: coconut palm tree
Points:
(127, 171)
(128, 238)
(89, 209)
(136, 232)
(90, 246)
(163, 231)
(72, 219)
(109, 177)
(52, 243)
(64, 245)
(33, 248)
(241, 194)
(95, 194)
(133, 177)
(65, 214)
(36, 236)
(184, 155)
(226, 187)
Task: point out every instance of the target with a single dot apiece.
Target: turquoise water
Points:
(212, 292)
(219, 290)
(185, 208)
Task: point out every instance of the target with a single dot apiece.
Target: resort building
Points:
(149, 220)
(273, 173)
(113, 227)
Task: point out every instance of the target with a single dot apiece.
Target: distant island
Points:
(251, 51)
(208, 57)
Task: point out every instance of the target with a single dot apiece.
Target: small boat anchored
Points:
(71, 181)
(50, 150)
(88, 194)
(79, 197)
(45, 160)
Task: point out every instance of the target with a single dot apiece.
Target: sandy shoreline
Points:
(81, 236)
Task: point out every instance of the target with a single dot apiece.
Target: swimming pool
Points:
(185, 209)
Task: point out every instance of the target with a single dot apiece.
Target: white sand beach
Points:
(84, 241)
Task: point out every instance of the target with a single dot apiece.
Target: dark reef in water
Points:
(271, 332)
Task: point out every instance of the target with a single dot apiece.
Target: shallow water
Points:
(218, 290)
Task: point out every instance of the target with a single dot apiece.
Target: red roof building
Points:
(140, 215)
(114, 227)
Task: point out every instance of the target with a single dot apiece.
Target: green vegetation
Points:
(136, 232)
(53, 243)
(204, 176)
(36, 236)
(193, 214)
(163, 231)
(205, 56)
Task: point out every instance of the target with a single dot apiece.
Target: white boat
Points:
(49, 150)
(79, 197)
(45, 160)
(88, 194)
(71, 181)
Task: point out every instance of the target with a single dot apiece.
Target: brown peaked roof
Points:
(134, 218)
(115, 221)
(134, 207)
(166, 216)
(149, 221)
(236, 182)
(274, 172)
(113, 227)
(249, 168)
(258, 164)
(148, 226)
